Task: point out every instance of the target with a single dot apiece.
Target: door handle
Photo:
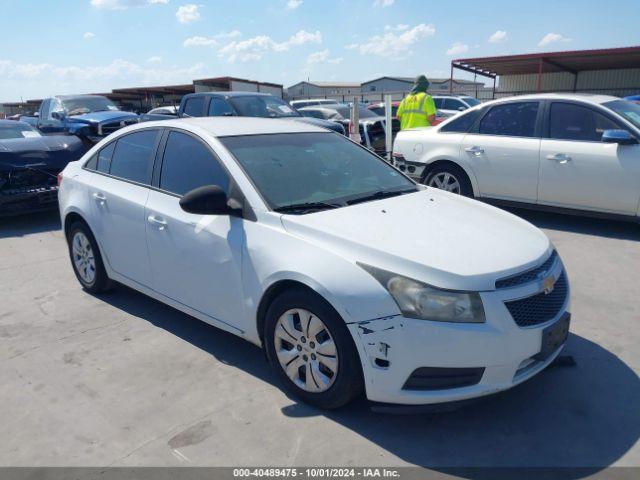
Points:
(559, 157)
(100, 198)
(475, 150)
(157, 221)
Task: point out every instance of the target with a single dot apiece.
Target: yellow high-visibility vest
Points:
(415, 109)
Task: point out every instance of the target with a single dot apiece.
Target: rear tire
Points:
(86, 259)
(311, 349)
(450, 178)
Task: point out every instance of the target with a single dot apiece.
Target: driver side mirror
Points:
(57, 115)
(208, 200)
(462, 109)
(621, 137)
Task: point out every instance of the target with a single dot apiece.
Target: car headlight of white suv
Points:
(419, 300)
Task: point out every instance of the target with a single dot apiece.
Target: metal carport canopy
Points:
(568, 61)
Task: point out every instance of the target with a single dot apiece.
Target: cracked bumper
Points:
(392, 348)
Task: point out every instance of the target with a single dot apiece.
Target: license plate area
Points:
(553, 337)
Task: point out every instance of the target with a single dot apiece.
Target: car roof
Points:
(581, 97)
(229, 94)
(230, 126)
(65, 97)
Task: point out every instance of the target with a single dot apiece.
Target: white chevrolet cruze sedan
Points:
(573, 153)
(307, 244)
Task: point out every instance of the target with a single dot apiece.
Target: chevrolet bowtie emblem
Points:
(548, 284)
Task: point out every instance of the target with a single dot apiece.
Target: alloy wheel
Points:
(83, 257)
(306, 350)
(445, 181)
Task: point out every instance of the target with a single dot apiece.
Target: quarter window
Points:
(132, 157)
(189, 164)
(575, 122)
(194, 106)
(516, 119)
(104, 158)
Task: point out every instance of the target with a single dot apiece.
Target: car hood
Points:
(53, 151)
(442, 239)
(99, 117)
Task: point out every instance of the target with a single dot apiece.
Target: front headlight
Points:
(418, 300)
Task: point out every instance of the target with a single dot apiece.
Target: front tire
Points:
(450, 178)
(86, 259)
(311, 349)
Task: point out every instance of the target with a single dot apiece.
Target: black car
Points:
(29, 166)
(372, 126)
(240, 104)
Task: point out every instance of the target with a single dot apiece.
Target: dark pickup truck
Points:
(240, 104)
(89, 117)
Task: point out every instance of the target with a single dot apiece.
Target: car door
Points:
(195, 259)
(578, 170)
(118, 194)
(503, 151)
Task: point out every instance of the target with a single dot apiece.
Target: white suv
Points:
(561, 151)
(454, 104)
(307, 244)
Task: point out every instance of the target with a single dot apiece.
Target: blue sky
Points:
(82, 46)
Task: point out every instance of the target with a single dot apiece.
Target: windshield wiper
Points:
(380, 194)
(306, 206)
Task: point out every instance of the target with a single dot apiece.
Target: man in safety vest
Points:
(417, 109)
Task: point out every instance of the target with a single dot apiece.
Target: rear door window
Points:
(132, 158)
(189, 164)
(568, 121)
(517, 119)
(194, 106)
(461, 123)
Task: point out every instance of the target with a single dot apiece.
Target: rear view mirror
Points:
(207, 200)
(621, 137)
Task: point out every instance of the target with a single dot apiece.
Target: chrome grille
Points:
(110, 127)
(529, 275)
(539, 308)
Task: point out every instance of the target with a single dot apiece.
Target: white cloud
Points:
(88, 35)
(154, 59)
(396, 28)
(254, 48)
(293, 4)
(41, 79)
(200, 41)
(124, 4)
(498, 36)
(457, 48)
(323, 57)
(394, 45)
(550, 38)
(188, 13)
(383, 3)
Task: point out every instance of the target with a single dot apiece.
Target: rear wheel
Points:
(450, 178)
(86, 260)
(311, 349)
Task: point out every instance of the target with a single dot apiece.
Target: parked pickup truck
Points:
(89, 117)
(239, 104)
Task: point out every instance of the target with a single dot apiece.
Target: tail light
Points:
(59, 178)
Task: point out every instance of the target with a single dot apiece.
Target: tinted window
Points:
(512, 119)
(629, 110)
(92, 163)
(44, 109)
(262, 106)
(189, 164)
(462, 123)
(193, 106)
(104, 158)
(131, 159)
(453, 104)
(438, 102)
(568, 121)
(219, 107)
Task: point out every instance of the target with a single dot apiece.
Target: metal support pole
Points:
(451, 79)
(388, 126)
(494, 88)
(538, 83)
(354, 123)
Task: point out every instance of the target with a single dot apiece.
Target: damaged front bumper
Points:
(418, 362)
(28, 200)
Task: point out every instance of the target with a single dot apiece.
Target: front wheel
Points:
(450, 178)
(312, 350)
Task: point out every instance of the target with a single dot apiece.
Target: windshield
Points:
(472, 102)
(630, 111)
(82, 105)
(301, 168)
(345, 112)
(18, 130)
(262, 106)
